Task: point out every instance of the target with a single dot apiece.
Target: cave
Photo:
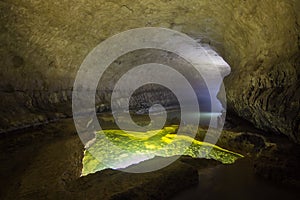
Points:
(150, 99)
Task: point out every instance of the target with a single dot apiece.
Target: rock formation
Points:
(44, 43)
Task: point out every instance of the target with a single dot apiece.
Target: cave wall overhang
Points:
(42, 47)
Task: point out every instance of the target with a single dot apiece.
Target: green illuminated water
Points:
(134, 147)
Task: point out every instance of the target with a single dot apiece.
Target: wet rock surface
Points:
(46, 163)
(109, 184)
(236, 181)
(273, 157)
(41, 166)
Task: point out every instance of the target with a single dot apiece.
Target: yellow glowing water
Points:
(134, 147)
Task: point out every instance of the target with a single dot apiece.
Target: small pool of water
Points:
(119, 149)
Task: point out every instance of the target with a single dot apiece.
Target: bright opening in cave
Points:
(135, 146)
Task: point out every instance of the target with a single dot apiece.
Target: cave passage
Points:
(100, 151)
(49, 150)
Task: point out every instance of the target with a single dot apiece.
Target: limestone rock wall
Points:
(44, 42)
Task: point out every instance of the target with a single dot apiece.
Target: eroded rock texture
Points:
(44, 43)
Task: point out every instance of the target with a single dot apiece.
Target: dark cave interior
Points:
(256, 154)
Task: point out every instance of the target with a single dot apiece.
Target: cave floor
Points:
(236, 181)
(45, 163)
